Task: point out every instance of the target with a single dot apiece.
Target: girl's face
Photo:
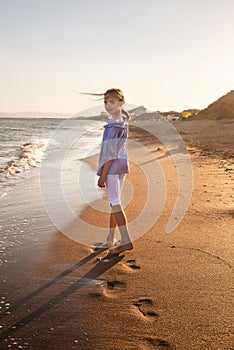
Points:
(113, 105)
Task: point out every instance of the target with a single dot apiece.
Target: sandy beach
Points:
(172, 291)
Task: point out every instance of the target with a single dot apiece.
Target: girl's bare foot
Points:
(122, 248)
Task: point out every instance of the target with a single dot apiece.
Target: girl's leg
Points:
(125, 243)
(111, 235)
(113, 193)
(114, 187)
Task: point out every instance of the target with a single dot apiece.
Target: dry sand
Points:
(173, 291)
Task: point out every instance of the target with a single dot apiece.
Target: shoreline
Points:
(171, 291)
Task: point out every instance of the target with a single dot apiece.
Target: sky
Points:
(165, 55)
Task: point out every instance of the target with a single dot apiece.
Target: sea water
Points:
(26, 142)
(41, 168)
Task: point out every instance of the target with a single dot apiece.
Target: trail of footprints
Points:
(145, 307)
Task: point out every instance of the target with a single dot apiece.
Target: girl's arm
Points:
(105, 169)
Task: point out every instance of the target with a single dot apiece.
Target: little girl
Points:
(113, 165)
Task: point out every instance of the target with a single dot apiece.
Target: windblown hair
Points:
(111, 92)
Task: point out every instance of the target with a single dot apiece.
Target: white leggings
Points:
(114, 186)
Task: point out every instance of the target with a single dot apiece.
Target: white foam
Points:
(30, 156)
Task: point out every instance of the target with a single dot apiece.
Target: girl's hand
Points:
(103, 176)
(101, 181)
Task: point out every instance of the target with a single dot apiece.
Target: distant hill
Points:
(148, 116)
(223, 108)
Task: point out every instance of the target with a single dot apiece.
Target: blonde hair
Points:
(111, 92)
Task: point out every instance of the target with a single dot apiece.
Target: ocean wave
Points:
(30, 156)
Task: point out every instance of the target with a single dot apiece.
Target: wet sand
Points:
(173, 291)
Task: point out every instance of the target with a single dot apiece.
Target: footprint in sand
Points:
(131, 264)
(157, 343)
(114, 284)
(145, 307)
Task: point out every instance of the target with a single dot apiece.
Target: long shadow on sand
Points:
(95, 272)
(167, 154)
